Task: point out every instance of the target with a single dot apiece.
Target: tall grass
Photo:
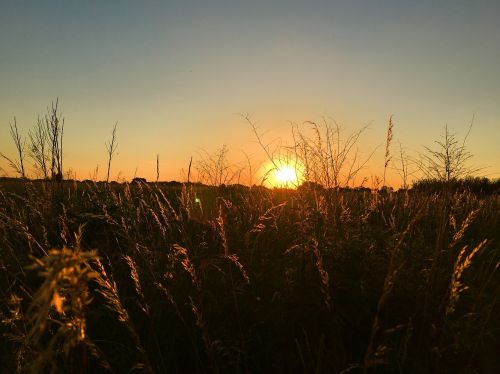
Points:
(257, 281)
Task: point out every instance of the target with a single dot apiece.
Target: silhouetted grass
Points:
(166, 278)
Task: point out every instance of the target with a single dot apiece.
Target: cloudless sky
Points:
(176, 75)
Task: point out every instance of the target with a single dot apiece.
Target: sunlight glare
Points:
(284, 174)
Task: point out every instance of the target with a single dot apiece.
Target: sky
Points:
(176, 76)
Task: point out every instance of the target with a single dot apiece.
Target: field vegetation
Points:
(189, 278)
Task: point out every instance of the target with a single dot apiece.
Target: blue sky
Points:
(176, 75)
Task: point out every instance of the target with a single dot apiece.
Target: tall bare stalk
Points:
(157, 168)
(111, 148)
(19, 142)
(189, 169)
(403, 169)
(388, 140)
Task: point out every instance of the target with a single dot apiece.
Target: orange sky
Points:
(176, 77)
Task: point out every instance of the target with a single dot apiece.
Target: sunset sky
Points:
(177, 75)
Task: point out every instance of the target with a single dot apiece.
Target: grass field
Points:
(142, 277)
(247, 187)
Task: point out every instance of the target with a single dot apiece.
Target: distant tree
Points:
(39, 146)
(386, 189)
(476, 185)
(310, 186)
(449, 160)
(55, 131)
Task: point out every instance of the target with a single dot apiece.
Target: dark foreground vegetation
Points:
(189, 279)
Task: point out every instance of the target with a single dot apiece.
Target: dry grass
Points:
(208, 279)
(218, 279)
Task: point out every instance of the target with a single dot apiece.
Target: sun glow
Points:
(284, 174)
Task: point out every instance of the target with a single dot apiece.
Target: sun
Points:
(284, 174)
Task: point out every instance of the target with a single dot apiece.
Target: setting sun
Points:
(284, 174)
